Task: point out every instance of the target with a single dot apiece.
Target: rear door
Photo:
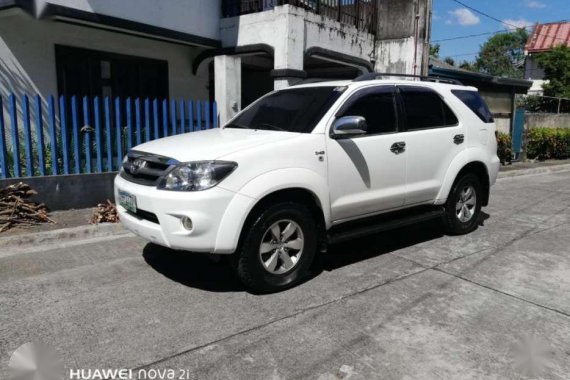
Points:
(434, 137)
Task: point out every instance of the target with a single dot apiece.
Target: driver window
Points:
(379, 110)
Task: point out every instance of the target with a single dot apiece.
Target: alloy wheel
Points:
(466, 204)
(281, 246)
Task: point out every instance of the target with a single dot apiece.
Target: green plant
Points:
(48, 161)
(503, 54)
(548, 143)
(504, 148)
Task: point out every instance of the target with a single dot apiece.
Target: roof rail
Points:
(314, 80)
(377, 76)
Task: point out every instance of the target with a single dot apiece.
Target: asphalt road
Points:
(409, 304)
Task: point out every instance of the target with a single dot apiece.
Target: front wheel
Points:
(463, 206)
(278, 250)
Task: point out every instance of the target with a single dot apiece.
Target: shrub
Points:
(548, 143)
(504, 148)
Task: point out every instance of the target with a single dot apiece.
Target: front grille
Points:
(145, 168)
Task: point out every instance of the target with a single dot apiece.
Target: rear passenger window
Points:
(425, 109)
(377, 107)
(475, 102)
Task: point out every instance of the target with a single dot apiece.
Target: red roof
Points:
(547, 36)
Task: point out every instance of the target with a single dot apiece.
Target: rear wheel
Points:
(463, 206)
(278, 250)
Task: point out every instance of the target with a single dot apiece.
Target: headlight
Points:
(125, 159)
(196, 176)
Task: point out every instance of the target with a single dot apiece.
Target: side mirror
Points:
(349, 126)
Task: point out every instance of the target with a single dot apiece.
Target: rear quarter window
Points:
(475, 102)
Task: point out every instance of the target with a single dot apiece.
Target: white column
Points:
(281, 83)
(289, 51)
(227, 72)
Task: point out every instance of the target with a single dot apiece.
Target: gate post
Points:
(518, 132)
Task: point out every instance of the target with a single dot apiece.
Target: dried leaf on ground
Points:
(105, 213)
(17, 210)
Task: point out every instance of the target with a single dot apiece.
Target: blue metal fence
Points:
(67, 143)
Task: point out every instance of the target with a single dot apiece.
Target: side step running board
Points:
(384, 224)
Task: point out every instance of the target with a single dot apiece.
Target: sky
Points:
(452, 19)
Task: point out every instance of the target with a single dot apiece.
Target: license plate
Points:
(128, 201)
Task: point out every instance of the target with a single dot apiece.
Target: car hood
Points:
(211, 144)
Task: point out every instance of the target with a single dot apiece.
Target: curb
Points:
(534, 171)
(65, 234)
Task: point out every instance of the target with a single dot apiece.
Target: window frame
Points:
(404, 115)
(365, 91)
(95, 83)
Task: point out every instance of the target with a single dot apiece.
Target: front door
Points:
(367, 174)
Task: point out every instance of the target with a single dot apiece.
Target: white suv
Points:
(310, 165)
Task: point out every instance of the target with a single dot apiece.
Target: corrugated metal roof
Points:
(547, 36)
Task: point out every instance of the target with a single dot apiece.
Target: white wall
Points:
(547, 120)
(199, 17)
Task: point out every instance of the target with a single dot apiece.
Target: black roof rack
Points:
(376, 76)
(314, 80)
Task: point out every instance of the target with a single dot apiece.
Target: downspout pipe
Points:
(417, 35)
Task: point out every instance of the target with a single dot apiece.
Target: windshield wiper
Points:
(239, 126)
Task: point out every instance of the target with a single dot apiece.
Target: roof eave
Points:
(519, 86)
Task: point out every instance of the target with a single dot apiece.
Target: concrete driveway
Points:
(409, 304)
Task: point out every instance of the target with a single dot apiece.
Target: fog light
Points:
(187, 223)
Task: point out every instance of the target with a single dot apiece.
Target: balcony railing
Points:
(360, 13)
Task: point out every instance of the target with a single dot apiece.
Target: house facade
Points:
(544, 38)
(232, 51)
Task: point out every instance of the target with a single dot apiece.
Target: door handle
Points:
(459, 139)
(398, 147)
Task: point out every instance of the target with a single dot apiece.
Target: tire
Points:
(463, 206)
(265, 268)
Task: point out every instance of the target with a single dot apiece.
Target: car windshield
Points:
(292, 110)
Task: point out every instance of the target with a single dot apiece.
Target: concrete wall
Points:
(403, 40)
(396, 56)
(498, 102)
(196, 17)
(503, 124)
(292, 30)
(547, 120)
(65, 192)
(501, 106)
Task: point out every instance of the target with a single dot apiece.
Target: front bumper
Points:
(213, 213)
